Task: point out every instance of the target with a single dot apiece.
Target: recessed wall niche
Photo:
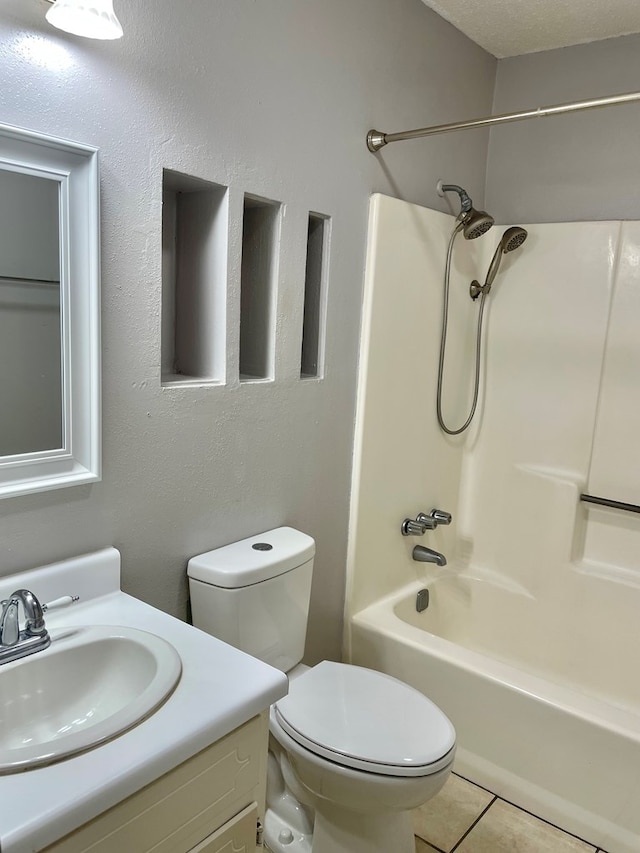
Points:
(311, 362)
(260, 244)
(194, 280)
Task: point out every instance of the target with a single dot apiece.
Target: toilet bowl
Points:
(366, 749)
(352, 751)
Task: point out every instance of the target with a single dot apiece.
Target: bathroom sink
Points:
(89, 686)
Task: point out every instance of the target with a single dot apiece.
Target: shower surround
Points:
(531, 638)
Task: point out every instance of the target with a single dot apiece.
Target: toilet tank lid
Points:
(252, 560)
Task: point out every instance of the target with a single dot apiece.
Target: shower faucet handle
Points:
(441, 516)
(424, 522)
(435, 517)
(428, 522)
(416, 527)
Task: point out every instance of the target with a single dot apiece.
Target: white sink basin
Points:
(89, 686)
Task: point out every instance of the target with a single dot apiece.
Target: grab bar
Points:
(593, 499)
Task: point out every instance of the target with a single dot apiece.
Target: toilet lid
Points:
(364, 719)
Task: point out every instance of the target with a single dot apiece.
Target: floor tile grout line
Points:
(475, 823)
(430, 843)
(516, 806)
(475, 784)
(548, 822)
(437, 849)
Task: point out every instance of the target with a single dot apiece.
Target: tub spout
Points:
(426, 555)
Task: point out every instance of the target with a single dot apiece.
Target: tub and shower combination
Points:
(530, 642)
(535, 735)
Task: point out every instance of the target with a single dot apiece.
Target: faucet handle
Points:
(428, 522)
(63, 601)
(417, 526)
(435, 517)
(409, 527)
(9, 625)
(440, 516)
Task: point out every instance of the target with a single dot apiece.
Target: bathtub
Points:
(537, 736)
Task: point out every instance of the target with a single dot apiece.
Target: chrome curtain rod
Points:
(377, 140)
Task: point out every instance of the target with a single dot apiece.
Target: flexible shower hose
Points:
(443, 341)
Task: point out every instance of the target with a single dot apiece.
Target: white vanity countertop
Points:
(220, 688)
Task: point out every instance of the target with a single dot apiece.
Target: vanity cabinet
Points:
(237, 835)
(209, 804)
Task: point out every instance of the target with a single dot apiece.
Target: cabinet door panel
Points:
(236, 836)
(177, 811)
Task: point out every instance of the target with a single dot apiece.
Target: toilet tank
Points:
(254, 594)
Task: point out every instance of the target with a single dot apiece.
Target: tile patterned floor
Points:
(464, 818)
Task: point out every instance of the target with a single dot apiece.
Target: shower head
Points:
(511, 239)
(473, 222)
(476, 223)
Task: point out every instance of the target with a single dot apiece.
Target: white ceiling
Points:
(511, 27)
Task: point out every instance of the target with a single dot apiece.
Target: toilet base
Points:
(288, 822)
(340, 831)
(281, 837)
(337, 831)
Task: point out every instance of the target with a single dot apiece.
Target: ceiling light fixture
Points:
(94, 19)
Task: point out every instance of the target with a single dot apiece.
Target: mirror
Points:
(30, 329)
(49, 313)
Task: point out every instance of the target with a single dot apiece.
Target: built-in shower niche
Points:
(312, 356)
(194, 280)
(260, 245)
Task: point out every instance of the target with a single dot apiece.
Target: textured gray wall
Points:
(574, 167)
(272, 98)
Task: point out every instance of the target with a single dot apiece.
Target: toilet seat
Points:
(366, 720)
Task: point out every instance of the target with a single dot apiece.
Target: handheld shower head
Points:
(511, 239)
(473, 223)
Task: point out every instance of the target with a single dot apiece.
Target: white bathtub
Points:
(557, 750)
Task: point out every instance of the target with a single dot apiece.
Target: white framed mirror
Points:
(49, 313)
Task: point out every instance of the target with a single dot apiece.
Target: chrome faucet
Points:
(422, 522)
(426, 555)
(15, 643)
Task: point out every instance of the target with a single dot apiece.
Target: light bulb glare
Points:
(94, 19)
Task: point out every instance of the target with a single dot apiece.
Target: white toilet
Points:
(352, 751)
